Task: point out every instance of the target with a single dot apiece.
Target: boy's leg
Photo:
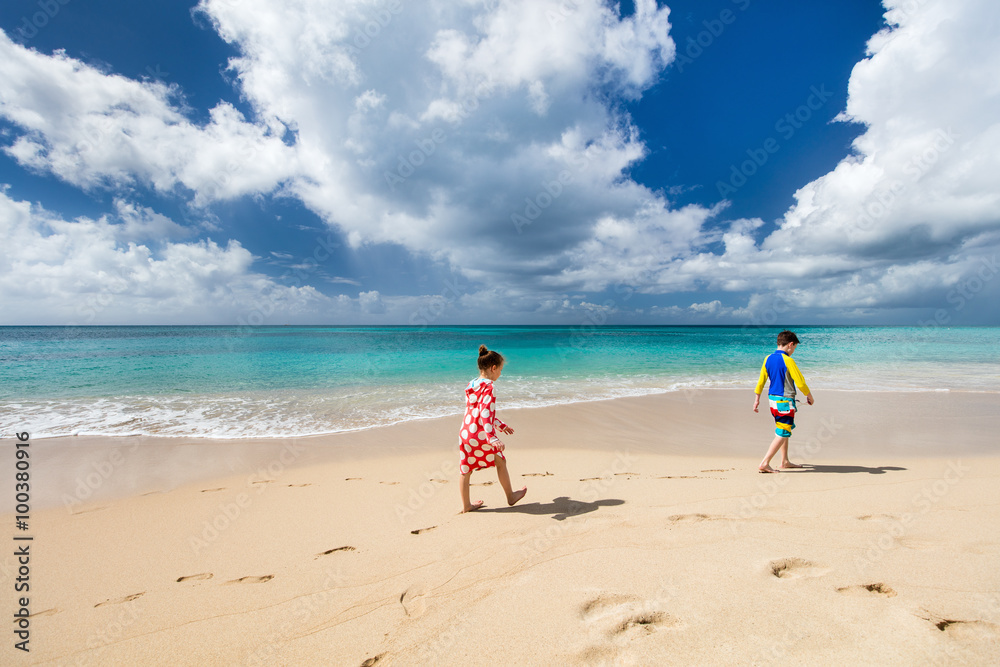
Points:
(467, 505)
(504, 477)
(776, 444)
(785, 463)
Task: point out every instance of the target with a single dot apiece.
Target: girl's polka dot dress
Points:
(479, 427)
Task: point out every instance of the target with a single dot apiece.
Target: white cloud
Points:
(94, 129)
(345, 281)
(434, 127)
(916, 209)
(488, 136)
(708, 308)
(124, 269)
(142, 223)
(119, 269)
(371, 303)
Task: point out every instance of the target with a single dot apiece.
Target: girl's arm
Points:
(487, 413)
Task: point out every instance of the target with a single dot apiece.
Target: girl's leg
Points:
(467, 505)
(504, 477)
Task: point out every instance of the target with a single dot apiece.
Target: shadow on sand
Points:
(808, 467)
(560, 508)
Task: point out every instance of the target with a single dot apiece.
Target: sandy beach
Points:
(646, 538)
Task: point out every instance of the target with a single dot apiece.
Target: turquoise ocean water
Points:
(237, 382)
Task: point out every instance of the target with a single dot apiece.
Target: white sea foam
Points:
(286, 414)
(316, 412)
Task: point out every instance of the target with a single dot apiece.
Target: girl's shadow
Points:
(560, 508)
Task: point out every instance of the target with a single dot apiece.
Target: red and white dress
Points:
(479, 428)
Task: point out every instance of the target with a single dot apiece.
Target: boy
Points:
(784, 376)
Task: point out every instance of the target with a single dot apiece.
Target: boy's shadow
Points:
(881, 470)
(560, 508)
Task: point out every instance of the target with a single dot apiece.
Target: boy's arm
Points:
(798, 379)
(760, 385)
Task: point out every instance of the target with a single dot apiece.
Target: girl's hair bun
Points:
(489, 358)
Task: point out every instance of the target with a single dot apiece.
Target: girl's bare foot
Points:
(766, 469)
(473, 507)
(789, 464)
(517, 495)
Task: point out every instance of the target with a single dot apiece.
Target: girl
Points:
(479, 446)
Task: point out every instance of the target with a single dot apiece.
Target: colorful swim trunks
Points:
(783, 410)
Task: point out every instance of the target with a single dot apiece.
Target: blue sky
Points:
(564, 162)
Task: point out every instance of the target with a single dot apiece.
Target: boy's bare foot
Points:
(473, 507)
(517, 495)
(767, 469)
(789, 464)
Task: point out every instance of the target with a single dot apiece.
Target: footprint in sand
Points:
(680, 477)
(877, 588)
(263, 481)
(353, 479)
(127, 598)
(874, 517)
(370, 662)
(389, 483)
(252, 580)
(719, 470)
(439, 481)
(299, 486)
(794, 568)
(693, 518)
(643, 623)
(536, 474)
(975, 630)
(330, 551)
(47, 612)
(195, 577)
(221, 488)
(598, 607)
(412, 599)
(482, 484)
(625, 617)
(422, 530)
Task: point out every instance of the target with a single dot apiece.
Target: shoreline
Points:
(703, 422)
(696, 390)
(555, 403)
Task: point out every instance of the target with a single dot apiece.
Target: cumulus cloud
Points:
(94, 129)
(135, 266)
(509, 164)
(371, 302)
(914, 212)
(119, 269)
(491, 137)
(487, 136)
